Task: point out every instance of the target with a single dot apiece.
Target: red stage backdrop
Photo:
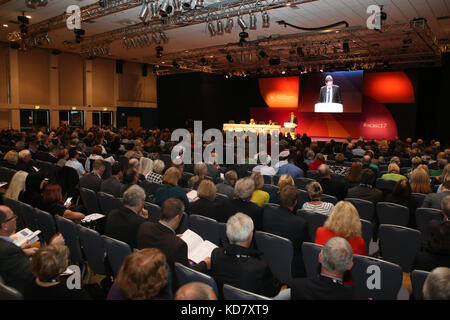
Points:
(280, 92)
(375, 120)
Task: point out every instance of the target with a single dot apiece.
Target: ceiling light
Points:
(229, 25)
(211, 29)
(42, 3)
(159, 50)
(219, 27)
(283, 72)
(266, 20)
(30, 4)
(5, 25)
(252, 21)
(29, 17)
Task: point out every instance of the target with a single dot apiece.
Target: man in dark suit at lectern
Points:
(330, 93)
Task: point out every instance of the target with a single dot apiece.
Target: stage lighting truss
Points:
(144, 39)
(96, 50)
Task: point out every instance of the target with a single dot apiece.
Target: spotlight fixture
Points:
(134, 43)
(78, 34)
(229, 58)
(262, 54)
(219, 27)
(229, 25)
(165, 8)
(242, 23)
(199, 4)
(30, 4)
(159, 51)
(203, 61)
(242, 36)
(252, 21)
(154, 10)
(144, 11)
(176, 6)
(266, 20)
(42, 3)
(346, 47)
(211, 29)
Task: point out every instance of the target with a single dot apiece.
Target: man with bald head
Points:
(333, 187)
(15, 267)
(195, 291)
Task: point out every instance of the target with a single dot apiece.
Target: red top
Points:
(323, 235)
(313, 166)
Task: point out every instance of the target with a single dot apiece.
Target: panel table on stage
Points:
(250, 127)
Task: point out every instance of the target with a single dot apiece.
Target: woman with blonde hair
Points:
(316, 204)
(259, 196)
(420, 181)
(393, 173)
(200, 172)
(10, 159)
(170, 188)
(206, 204)
(343, 222)
(441, 178)
(17, 185)
(284, 180)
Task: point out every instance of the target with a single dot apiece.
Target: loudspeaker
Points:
(144, 70)
(119, 66)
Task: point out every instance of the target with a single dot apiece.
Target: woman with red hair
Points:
(53, 204)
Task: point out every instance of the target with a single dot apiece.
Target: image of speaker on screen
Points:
(330, 93)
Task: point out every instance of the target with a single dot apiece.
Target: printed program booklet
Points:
(198, 249)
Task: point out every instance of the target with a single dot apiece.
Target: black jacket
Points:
(112, 186)
(230, 207)
(365, 193)
(336, 96)
(334, 187)
(91, 181)
(15, 266)
(243, 268)
(283, 222)
(123, 224)
(156, 235)
(320, 288)
(203, 207)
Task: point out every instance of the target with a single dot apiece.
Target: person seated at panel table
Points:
(252, 121)
(270, 123)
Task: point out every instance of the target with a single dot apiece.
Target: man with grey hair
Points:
(332, 187)
(195, 291)
(25, 162)
(123, 223)
(240, 266)
(437, 285)
(243, 190)
(335, 258)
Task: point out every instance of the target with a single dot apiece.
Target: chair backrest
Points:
(46, 224)
(367, 233)
(365, 208)
(392, 213)
(385, 185)
(267, 179)
(328, 198)
(269, 188)
(423, 218)
(301, 183)
(149, 187)
(9, 293)
(271, 205)
(312, 174)
(399, 245)
(93, 249)
(302, 197)
(233, 293)
(154, 211)
(185, 275)
(89, 199)
(108, 202)
(116, 252)
(276, 178)
(221, 197)
(69, 231)
(314, 220)
(376, 279)
(310, 253)
(418, 278)
(184, 225)
(223, 234)
(6, 174)
(419, 197)
(206, 227)
(29, 216)
(278, 253)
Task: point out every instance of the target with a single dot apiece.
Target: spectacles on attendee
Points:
(14, 217)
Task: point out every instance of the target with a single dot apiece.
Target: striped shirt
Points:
(324, 208)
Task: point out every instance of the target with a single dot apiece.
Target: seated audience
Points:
(113, 185)
(74, 163)
(354, 175)
(95, 155)
(440, 167)
(366, 189)
(338, 167)
(315, 196)
(205, 205)
(283, 221)
(437, 253)
(433, 200)
(332, 187)
(25, 162)
(259, 196)
(52, 202)
(63, 156)
(16, 185)
(10, 159)
(335, 258)
(143, 276)
(93, 180)
(227, 186)
(343, 222)
(200, 172)
(178, 164)
(263, 166)
(318, 160)
(284, 180)
(170, 188)
(402, 195)
(130, 178)
(441, 178)
(47, 265)
(240, 266)
(393, 173)
(290, 168)
(243, 191)
(420, 181)
(437, 285)
(195, 291)
(123, 223)
(162, 235)
(155, 175)
(34, 184)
